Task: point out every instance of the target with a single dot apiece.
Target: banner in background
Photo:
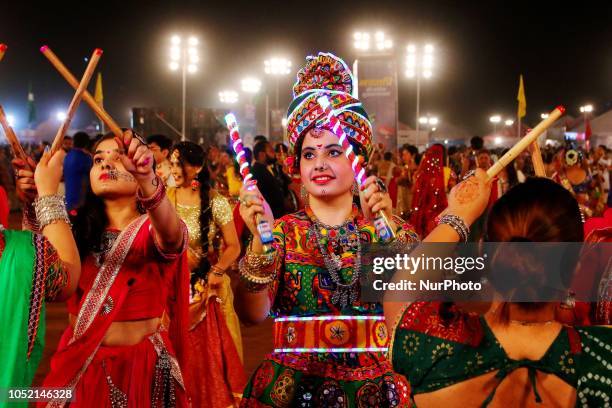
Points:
(378, 91)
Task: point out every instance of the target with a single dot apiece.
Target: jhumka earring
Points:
(195, 184)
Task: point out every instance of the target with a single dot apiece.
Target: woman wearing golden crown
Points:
(329, 344)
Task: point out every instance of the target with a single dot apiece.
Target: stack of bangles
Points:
(457, 224)
(256, 271)
(151, 203)
(50, 209)
(217, 270)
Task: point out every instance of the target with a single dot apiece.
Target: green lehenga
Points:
(30, 272)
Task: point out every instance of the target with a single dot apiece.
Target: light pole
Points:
(495, 119)
(276, 67)
(431, 121)
(229, 97)
(419, 64)
(184, 57)
(250, 85)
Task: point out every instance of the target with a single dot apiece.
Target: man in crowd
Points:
(160, 146)
(68, 144)
(77, 165)
(267, 183)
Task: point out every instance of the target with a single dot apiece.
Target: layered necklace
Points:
(333, 241)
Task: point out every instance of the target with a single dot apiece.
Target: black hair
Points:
(163, 141)
(259, 138)
(538, 210)
(259, 148)
(192, 154)
(280, 147)
(476, 142)
(388, 156)
(81, 140)
(91, 220)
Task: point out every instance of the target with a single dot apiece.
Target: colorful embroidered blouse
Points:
(304, 286)
(324, 375)
(434, 354)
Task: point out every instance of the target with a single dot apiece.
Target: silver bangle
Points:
(50, 209)
(457, 224)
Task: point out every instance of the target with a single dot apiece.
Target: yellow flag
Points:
(98, 96)
(522, 101)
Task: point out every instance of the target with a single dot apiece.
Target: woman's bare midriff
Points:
(127, 333)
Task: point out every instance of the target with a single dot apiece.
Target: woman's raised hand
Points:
(252, 205)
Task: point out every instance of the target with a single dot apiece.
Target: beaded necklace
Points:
(332, 239)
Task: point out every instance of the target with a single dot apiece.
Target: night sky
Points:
(565, 55)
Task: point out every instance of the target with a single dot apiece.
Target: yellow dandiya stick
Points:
(12, 137)
(71, 79)
(76, 99)
(525, 142)
(3, 48)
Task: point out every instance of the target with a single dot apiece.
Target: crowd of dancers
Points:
(156, 248)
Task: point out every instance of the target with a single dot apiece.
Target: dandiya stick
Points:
(12, 137)
(71, 79)
(525, 142)
(3, 48)
(76, 99)
(536, 159)
(263, 226)
(381, 223)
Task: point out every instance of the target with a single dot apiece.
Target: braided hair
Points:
(192, 154)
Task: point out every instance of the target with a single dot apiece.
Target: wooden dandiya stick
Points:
(12, 137)
(536, 159)
(3, 48)
(71, 79)
(263, 226)
(381, 223)
(524, 143)
(76, 99)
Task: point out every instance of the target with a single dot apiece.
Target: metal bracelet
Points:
(457, 224)
(216, 270)
(50, 209)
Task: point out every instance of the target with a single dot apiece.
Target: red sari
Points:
(137, 281)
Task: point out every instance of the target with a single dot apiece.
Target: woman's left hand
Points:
(215, 282)
(375, 198)
(138, 158)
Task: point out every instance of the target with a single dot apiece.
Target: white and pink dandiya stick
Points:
(3, 48)
(524, 143)
(263, 226)
(381, 223)
(336, 126)
(76, 99)
(232, 126)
